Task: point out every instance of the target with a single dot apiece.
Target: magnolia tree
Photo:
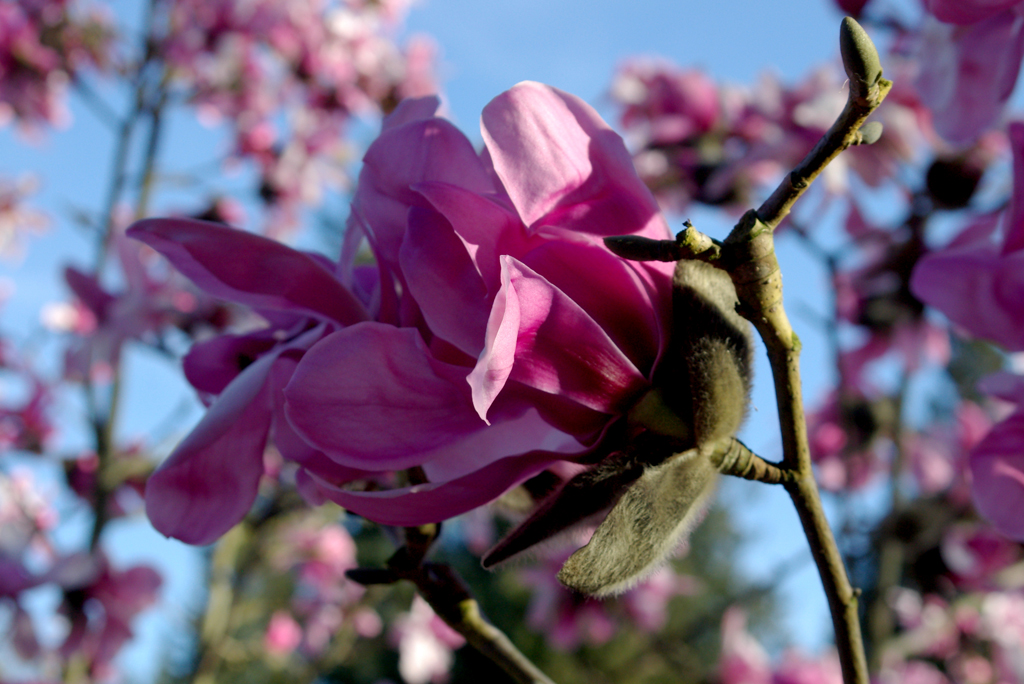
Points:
(510, 344)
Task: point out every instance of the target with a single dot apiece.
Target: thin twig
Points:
(451, 600)
(748, 254)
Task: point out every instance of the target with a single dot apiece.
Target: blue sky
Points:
(485, 48)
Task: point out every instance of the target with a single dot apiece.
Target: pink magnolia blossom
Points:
(425, 645)
(698, 141)
(122, 594)
(289, 75)
(491, 258)
(495, 336)
(105, 320)
(42, 46)
(970, 65)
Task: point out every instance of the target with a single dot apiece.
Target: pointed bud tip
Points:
(860, 57)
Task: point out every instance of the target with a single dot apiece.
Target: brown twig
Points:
(449, 597)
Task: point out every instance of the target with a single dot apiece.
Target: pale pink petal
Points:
(539, 337)
(209, 483)
(250, 269)
(564, 168)
(997, 469)
(372, 397)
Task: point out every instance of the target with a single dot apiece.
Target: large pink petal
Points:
(487, 227)
(209, 483)
(539, 337)
(372, 397)
(967, 11)
(969, 72)
(564, 168)
(434, 502)
(997, 469)
(977, 289)
(288, 442)
(250, 269)
(418, 151)
(443, 280)
(509, 435)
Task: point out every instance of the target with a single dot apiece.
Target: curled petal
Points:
(250, 269)
(372, 397)
(624, 301)
(997, 469)
(209, 483)
(564, 168)
(539, 337)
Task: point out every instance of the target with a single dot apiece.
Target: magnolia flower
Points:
(495, 336)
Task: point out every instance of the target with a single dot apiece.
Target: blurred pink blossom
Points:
(425, 645)
(970, 65)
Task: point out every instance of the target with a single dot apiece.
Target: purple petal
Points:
(486, 227)
(372, 397)
(250, 269)
(210, 366)
(412, 109)
(630, 302)
(1013, 240)
(443, 280)
(564, 168)
(539, 337)
(89, 291)
(423, 150)
(429, 503)
(209, 483)
(997, 470)
(509, 435)
(976, 289)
